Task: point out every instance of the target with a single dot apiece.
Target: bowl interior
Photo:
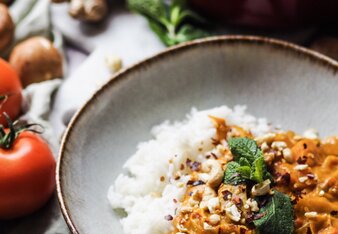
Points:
(288, 86)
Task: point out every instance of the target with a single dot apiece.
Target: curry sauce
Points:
(302, 167)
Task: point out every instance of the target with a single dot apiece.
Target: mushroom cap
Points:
(6, 27)
(36, 60)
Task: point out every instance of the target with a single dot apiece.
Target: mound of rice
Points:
(150, 193)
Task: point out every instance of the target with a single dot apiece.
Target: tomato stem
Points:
(15, 128)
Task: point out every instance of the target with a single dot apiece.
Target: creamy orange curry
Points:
(303, 168)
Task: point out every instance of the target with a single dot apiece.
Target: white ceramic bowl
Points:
(289, 85)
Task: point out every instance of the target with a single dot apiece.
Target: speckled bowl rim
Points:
(302, 52)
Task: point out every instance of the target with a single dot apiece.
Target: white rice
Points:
(141, 193)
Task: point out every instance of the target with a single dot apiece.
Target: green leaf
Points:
(160, 32)
(231, 176)
(244, 147)
(278, 216)
(154, 9)
(188, 32)
(245, 171)
(249, 158)
(169, 20)
(258, 169)
(244, 162)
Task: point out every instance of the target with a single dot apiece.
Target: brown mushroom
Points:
(36, 60)
(87, 10)
(6, 27)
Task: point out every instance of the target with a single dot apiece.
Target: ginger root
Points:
(6, 27)
(87, 10)
(36, 60)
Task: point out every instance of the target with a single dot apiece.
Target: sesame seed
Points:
(321, 193)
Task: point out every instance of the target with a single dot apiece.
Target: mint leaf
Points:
(244, 171)
(244, 162)
(231, 176)
(278, 216)
(244, 147)
(248, 156)
(258, 170)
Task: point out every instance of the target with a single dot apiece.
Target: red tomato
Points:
(10, 85)
(27, 176)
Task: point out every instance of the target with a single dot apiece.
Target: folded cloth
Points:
(37, 103)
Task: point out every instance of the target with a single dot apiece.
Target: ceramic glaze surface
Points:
(288, 85)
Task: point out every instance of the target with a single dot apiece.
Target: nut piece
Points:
(114, 63)
(213, 167)
(214, 219)
(6, 27)
(233, 213)
(261, 188)
(287, 155)
(36, 60)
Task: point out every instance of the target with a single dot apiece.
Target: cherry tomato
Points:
(10, 92)
(27, 175)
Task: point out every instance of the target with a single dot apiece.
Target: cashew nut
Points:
(208, 194)
(261, 188)
(215, 172)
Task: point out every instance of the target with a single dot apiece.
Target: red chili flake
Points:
(302, 160)
(195, 183)
(252, 216)
(249, 217)
(207, 156)
(214, 141)
(237, 200)
(242, 230)
(334, 213)
(174, 200)
(214, 155)
(168, 217)
(310, 176)
(195, 166)
(182, 167)
(162, 178)
(188, 162)
(298, 194)
(177, 177)
(305, 146)
(195, 215)
(285, 179)
(226, 195)
(260, 215)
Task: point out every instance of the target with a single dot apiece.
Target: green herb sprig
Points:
(248, 162)
(173, 22)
